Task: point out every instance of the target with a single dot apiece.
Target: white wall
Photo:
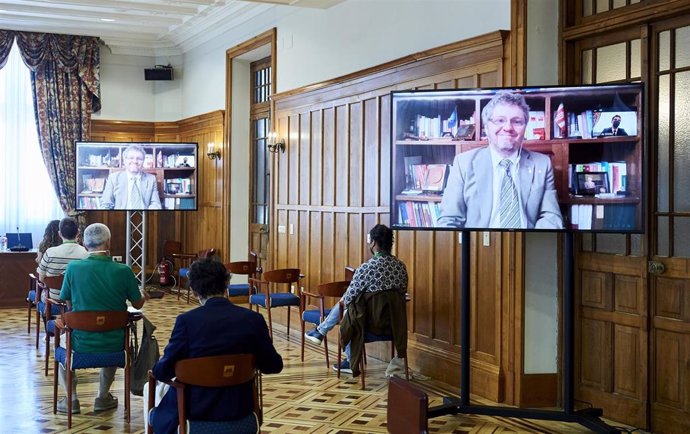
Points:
(315, 45)
(541, 276)
(239, 164)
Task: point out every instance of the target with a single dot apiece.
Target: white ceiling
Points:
(141, 27)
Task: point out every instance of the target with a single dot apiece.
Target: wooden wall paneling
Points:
(371, 148)
(171, 225)
(342, 155)
(349, 129)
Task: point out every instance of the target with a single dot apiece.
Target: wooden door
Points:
(634, 313)
(259, 183)
(670, 238)
(612, 331)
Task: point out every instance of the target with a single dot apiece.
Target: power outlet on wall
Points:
(117, 258)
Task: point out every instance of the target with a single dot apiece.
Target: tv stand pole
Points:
(136, 245)
(589, 417)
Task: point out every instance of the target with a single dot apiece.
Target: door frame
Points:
(269, 38)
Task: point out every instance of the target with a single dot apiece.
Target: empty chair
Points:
(246, 268)
(216, 371)
(91, 321)
(186, 260)
(261, 294)
(349, 272)
(316, 316)
(31, 299)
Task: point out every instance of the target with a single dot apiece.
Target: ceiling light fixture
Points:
(107, 20)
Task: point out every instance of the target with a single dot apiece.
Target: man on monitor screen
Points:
(132, 188)
(614, 129)
(502, 185)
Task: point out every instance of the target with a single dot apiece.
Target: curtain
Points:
(27, 198)
(65, 80)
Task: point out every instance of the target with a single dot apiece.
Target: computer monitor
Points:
(19, 242)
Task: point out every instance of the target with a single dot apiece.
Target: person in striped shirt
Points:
(55, 259)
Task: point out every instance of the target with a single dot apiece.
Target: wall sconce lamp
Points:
(213, 153)
(275, 144)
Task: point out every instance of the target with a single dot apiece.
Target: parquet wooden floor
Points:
(304, 398)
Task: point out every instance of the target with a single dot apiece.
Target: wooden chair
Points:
(371, 338)
(91, 321)
(261, 295)
(186, 260)
(349, 272)
(216, 371)
(408, 406)
(31, 299)
(56, 307)
(316, 316)
(246, 268)
(42, 308)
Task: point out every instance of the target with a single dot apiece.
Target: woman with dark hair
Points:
(51, 238)
(217, 327)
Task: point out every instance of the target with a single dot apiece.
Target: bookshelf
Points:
(567, 124)
(173, 165)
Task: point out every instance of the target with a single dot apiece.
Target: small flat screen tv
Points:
(519, 159)
(131, 176)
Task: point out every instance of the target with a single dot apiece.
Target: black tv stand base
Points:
(589, 417)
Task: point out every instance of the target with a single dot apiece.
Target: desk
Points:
(14, 277)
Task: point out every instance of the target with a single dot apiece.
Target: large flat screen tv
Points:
(136, 176)
(514, 159)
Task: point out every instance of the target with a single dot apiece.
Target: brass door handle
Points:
(655, 267)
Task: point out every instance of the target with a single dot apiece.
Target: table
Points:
(14, 277)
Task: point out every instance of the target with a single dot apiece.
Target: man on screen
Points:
(502, 185)
(132, 188)
(615, 129)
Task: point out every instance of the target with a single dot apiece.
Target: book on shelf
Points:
(92, 185)
(430, 177)
(418, 214)
(148, 161)
(410, 162)
(86, 202)
(536, 129)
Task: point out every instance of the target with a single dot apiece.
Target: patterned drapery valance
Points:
(67, 53)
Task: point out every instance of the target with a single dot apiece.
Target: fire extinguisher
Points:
(164, 272)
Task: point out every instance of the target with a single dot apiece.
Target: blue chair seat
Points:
(370, 337)
(238, 289)
(87, 360)
(54, 309)
(50, 327)
(244, 425)
(313, 316)
(31, 296)
(277, 300)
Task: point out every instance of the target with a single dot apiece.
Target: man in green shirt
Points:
(97, 283)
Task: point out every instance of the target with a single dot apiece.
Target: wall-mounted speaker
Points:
(159, 73)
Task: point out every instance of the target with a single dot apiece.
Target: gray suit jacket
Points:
(115, 192)
(468, 197)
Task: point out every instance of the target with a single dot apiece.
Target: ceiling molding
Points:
(143, 27)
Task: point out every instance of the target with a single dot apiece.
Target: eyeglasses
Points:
(501, 122)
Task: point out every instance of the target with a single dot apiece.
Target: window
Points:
(261, 125)
(27, 197)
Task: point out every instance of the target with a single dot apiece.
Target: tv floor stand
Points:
(136, 245)
(589, 417)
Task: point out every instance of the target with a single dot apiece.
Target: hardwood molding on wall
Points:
(196, 230)
(332, 185)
